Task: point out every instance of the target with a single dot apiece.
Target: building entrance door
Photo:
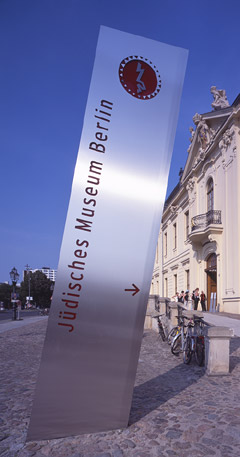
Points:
(211, 271)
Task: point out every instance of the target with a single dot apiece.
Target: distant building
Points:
(49, 272)
(199, 241)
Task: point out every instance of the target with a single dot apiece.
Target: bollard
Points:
(217, 342)
(18, 311)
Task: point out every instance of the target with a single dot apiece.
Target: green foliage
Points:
(5, 294)
(40, 289)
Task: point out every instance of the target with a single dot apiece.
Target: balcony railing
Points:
(202, 221)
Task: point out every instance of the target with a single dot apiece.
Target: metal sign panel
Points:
(95, 327)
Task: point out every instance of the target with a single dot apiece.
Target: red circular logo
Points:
(139, 77)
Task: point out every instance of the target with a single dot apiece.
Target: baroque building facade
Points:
(199, 239)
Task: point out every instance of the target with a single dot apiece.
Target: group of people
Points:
(183, 297)
(196, 297)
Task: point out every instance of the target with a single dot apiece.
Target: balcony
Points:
(204, 225)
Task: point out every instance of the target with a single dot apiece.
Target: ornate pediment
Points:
(203, 136)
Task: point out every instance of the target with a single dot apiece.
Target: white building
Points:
(199, 240)
(49, 272)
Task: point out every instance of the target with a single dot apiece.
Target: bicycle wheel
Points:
(176, 345)
(161, 332)
(187, 351)
(172, 334)
(199, 352)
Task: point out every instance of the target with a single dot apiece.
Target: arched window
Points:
(210, 195)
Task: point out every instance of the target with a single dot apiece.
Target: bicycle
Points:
(194, 342)
(161, 328)
(178, 340)
(177, 329)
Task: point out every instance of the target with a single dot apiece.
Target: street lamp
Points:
(29, 282)
(14, 275)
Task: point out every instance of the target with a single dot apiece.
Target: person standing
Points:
(196, 298)
(181, 297)
(203, 301)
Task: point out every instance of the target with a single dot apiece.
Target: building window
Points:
(186, 224)
(166, 287)
(210, 195)
(175, 236)
(165, 243)
(175, 284)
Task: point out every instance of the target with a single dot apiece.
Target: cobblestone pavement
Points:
(176, 411)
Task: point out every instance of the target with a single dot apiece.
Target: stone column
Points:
(217, 342)
(173, 314)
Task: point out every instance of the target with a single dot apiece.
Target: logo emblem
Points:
(139, 77)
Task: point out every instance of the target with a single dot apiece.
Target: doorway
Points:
(211, 271)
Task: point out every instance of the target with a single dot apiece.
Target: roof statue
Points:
(192, 131)
(220, 98)
(204, 134)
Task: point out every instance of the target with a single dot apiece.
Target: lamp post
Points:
(14, 275)
(29, 284)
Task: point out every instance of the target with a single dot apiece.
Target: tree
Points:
(5, 294)
(40, 287)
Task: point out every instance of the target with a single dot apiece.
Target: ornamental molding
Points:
(230, 291)
(210, 248)
(226, 140)
(227, 146)
(191, 189)
(207, 165)
(174, 209)
(227, 162)
(185, 262)
(190, 184)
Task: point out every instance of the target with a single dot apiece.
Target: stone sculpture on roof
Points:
(203, 131)
(220, 98)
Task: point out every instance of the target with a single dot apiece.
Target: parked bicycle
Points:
(175, 331)
(194, 342)
(161, 327)
(178, 340)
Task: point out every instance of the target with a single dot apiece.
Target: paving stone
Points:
(103, 455)
(130, 443)
(117, 453)
(176, 409)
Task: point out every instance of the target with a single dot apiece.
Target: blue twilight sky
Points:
(46, 57)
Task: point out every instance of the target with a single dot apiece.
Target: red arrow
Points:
(135, 290)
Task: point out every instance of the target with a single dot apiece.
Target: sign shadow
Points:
(153, 393)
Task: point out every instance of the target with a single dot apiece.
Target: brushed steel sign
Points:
(95, 326)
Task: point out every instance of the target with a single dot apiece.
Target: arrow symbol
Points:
(135, 290)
